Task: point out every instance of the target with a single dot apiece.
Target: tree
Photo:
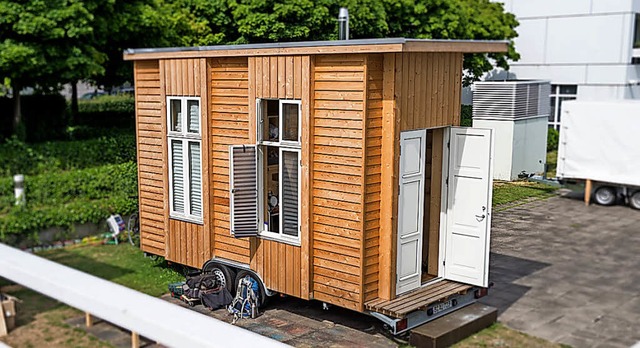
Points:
(43, 44)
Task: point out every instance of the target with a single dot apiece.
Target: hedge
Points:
(20, 158)
(466, 117)
(66, 198)
(107, 112)
(64, 187)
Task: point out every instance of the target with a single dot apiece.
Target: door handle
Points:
(480, 217)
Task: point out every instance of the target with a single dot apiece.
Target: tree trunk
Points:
(74, 102)
(18, 127)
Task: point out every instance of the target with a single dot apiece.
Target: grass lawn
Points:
(509, 192)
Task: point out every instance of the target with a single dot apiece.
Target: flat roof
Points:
(387, 45)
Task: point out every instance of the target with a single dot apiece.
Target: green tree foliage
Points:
(255, 21)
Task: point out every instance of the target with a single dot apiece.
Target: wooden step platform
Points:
(417, 299)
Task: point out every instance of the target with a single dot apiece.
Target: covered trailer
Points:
(600, 145)
(330, 170)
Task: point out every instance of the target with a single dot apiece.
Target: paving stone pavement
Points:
(567, 272)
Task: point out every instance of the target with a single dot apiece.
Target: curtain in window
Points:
(177, 172)
(195, 177)
(290, 193)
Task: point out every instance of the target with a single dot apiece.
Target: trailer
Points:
(600, 148)
(331, 170)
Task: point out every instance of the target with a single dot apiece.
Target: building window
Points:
(559, 93)
(636, 33)
(185, 158)
(279, 146)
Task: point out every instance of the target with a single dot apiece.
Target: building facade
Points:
(588, 49)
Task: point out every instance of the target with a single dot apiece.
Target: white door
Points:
(410, 209)
(468, 217)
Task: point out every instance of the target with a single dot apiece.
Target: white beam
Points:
(151, 317)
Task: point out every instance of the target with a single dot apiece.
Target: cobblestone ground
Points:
(567, 272)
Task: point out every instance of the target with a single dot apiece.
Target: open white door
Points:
(410, 210)
(468, 217)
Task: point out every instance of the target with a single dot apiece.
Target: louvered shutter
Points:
(289, 201)
(195, 179)
(177, 176)
(244, 191)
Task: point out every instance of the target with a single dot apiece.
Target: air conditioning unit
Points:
(518, 111)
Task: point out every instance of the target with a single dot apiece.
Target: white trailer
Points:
(600, 145)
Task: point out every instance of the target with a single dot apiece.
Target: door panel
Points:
(410, 210)
(468, 222)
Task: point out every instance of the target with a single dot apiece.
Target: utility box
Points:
(518, 112)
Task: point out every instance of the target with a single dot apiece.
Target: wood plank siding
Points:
(283, 267)
(151, 174)
(429, 89)
(188, 243)
(229, 125)
(373, 171)
(338, 180)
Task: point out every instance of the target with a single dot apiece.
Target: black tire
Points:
(634, 200)
(605, 195)
(225, 275)
(263, 293)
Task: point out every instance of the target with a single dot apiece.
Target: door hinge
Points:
(448, 144)
(444, 262)
(446, 181)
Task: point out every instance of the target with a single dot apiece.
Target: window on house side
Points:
(185, 158)
(636, 35)
(559, 93)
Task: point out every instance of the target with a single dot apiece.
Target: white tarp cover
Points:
(600, 141)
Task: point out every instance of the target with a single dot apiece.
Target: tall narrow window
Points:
(559, 93)
(185, 158)
(636, 32)
(278, 168)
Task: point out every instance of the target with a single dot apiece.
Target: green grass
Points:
(552, 162)
(514, 191)
(123, 264)
(499, 335)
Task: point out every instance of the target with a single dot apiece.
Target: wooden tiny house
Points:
(323, 167)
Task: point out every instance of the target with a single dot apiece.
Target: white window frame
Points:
(555, 93)
(185, 138)
(285, 145)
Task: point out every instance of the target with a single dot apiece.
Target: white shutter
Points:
(244, 190)
(289, 192)
(193, 110)
(177, 176)
(195, 179)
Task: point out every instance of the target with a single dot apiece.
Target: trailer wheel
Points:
(605, 195)
(225, 275)
(634, 200)
(263, 294)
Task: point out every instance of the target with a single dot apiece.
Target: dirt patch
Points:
(41, 320)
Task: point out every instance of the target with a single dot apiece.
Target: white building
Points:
(588, 49)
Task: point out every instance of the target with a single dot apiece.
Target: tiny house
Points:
(330, 170)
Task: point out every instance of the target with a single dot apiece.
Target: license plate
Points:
(437, 308)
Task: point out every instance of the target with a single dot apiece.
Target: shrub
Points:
(66, 198)
(18, 157)
(107, 112)
(553, 138)
(466, 119)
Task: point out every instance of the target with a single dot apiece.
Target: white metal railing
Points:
(148, 316)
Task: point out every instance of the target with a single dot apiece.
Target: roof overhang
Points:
(389, 45)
